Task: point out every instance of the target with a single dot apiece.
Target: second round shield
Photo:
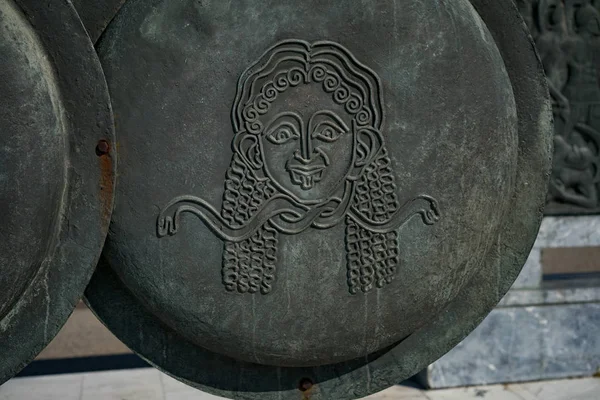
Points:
(57, 173)
(307, 187)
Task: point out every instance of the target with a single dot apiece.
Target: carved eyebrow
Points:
(286, 116)
(331, 115)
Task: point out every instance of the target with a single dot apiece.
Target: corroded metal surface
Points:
(306, 209)
(567, 35)
(56, 192)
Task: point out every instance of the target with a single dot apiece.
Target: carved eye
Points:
(328, 131)
(283, 133)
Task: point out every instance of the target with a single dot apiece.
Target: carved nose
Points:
(317, 154)
(303, 160)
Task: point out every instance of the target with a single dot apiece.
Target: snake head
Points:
(431, 214)
(165, 226)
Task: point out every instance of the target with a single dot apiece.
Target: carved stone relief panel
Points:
(567, 35)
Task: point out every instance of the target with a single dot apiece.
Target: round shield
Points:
(317, 196)
(56, 176)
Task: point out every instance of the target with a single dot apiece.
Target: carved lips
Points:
(306, 173)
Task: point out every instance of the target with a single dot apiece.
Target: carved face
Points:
(307, 117)
(307, 143)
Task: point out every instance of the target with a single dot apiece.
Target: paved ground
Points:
(150, 384)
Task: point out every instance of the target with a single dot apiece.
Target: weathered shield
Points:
(323, 196)
(56, 172)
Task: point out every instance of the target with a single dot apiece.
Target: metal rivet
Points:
(305, 384)
(102, 148)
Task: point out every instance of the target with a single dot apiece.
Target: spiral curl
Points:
(318, 73)
(296, 76)
(261, 104)
(341, 94)
(354, 104)
(281, 81)
(250, 113)
(269, 92)
(331, 82)
(363, 117)
(254, 127)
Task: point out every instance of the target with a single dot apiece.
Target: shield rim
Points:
(224, 376)
(56, 288)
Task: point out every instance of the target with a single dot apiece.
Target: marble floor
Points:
(150, 384)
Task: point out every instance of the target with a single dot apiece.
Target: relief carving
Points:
(567, 35)
(308, 152)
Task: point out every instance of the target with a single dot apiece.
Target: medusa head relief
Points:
(308, 153)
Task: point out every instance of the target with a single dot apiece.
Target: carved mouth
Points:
(306, 176)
